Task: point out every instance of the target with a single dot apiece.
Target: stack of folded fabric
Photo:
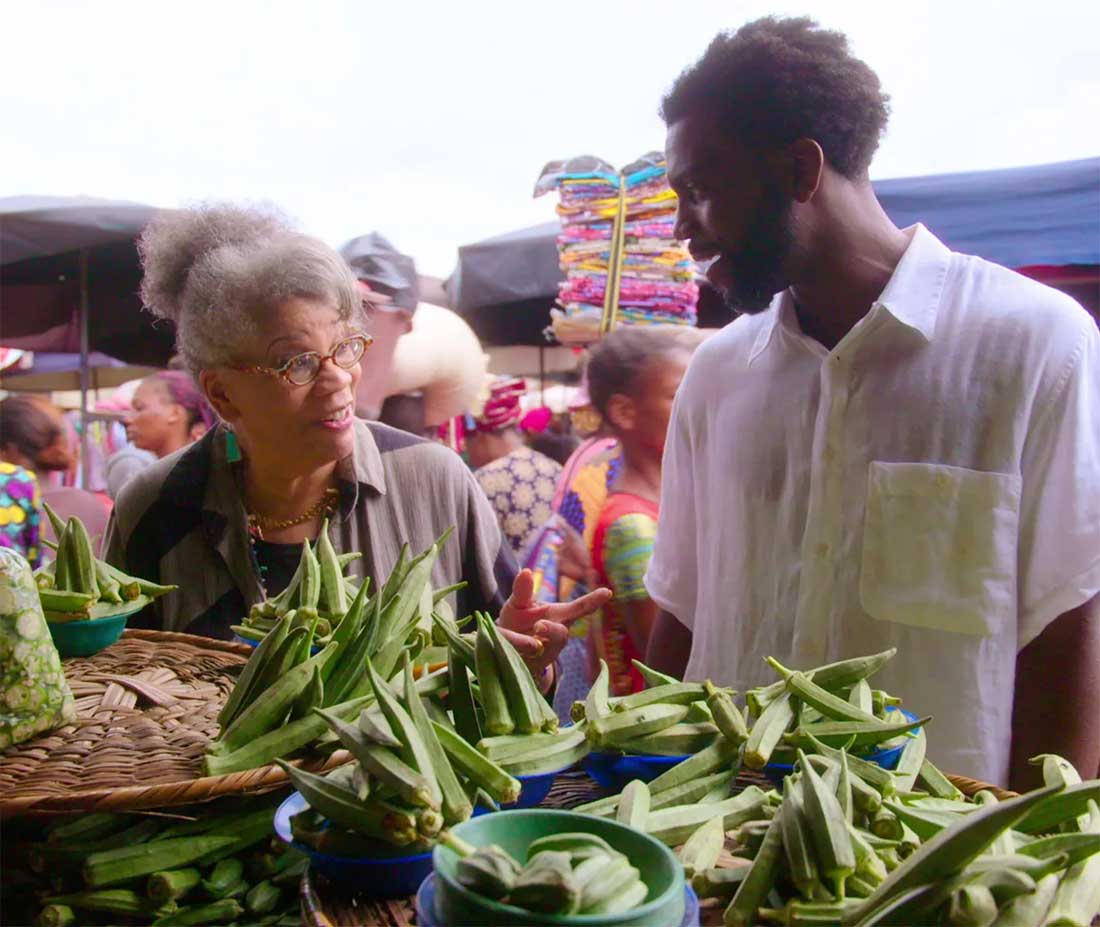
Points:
(652, 274)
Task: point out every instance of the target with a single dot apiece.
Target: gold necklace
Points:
(324, 506)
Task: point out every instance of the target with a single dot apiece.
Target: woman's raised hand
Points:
(538, 630)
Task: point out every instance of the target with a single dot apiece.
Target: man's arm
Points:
(669, 645)
(1057, 700)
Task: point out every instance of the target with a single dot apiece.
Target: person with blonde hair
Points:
(270, 322)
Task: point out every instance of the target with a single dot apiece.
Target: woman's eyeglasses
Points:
(303, 369)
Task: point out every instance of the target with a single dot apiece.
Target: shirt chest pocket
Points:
(939, 547)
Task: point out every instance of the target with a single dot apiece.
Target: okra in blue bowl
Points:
(385, 871)
(885, 756)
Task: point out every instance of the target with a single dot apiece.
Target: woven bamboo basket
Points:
(328, 905)
(146, 710)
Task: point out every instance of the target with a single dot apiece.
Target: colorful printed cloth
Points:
(520, 487)
(656, 281)
(19, 512)
(621, 549)
(502, 408)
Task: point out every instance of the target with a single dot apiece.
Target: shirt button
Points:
(822, 550)
(829, 453)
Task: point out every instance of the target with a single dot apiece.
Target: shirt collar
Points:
(912, 294)
(780, 312)
(365, 465)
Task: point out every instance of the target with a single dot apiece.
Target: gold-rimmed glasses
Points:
(303, 369)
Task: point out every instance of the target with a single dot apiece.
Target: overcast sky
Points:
(429, 121)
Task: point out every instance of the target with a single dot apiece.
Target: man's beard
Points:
(759, 270)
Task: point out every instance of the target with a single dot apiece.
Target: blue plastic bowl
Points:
(535, 788)
(887, 758)
(386, 876)
(614, 770)
(83, 638)
(237, 639)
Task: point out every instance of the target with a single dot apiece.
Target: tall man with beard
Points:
(900, 449)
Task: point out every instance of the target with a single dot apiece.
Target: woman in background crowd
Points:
(167, 412)
(633, 374)
(518, 480)
(31, 440)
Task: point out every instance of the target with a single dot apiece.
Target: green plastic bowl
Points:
(83, 638)
(516, 830)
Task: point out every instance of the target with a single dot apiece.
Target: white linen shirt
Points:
(931, 484)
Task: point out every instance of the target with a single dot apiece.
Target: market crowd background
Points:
(430, 121)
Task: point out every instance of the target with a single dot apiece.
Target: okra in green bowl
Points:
(660, 905)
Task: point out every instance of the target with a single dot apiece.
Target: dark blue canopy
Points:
(1047, 214)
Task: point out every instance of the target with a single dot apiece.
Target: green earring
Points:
(232, 448)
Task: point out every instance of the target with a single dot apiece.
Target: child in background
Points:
(633, 375)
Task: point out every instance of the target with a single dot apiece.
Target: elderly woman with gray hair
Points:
(271, 324)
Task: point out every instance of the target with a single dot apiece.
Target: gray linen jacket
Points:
(182, 521)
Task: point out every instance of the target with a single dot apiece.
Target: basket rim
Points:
(167, 794)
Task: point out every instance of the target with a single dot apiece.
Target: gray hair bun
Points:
(177, 242)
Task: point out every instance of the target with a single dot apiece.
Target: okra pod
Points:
(797, 844)
(1077, 898)
(171, 884)
(768, 731)
(494, 700)
(676, 693)
(109, 901)
(342, 807)
(333, 598)
(616, 728)
(597, 703)
(414, 752)
(718, 755)
(55, 915)
(681, 739)
(754, 888)
(652, 677)
(571, 746)
(828, 827)
(262, 898)
(950, 850)
(719, 883)
(280, 742)
(455, 806)
(831, 676)
(936, 782)
(111, 867)
(910, 761)
(224, 876)
(810, 693)
(501, 786)
(634, 805)
(1066, 805)
(858, 733)
(461, 698)
(673, 825)
(704, 846)
(217, 912)
(727, 716)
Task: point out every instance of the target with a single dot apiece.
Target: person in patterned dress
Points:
(30, 439)
(633, 375)
(518, 480)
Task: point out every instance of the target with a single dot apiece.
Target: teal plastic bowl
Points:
(83, 638)
(516, 830)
